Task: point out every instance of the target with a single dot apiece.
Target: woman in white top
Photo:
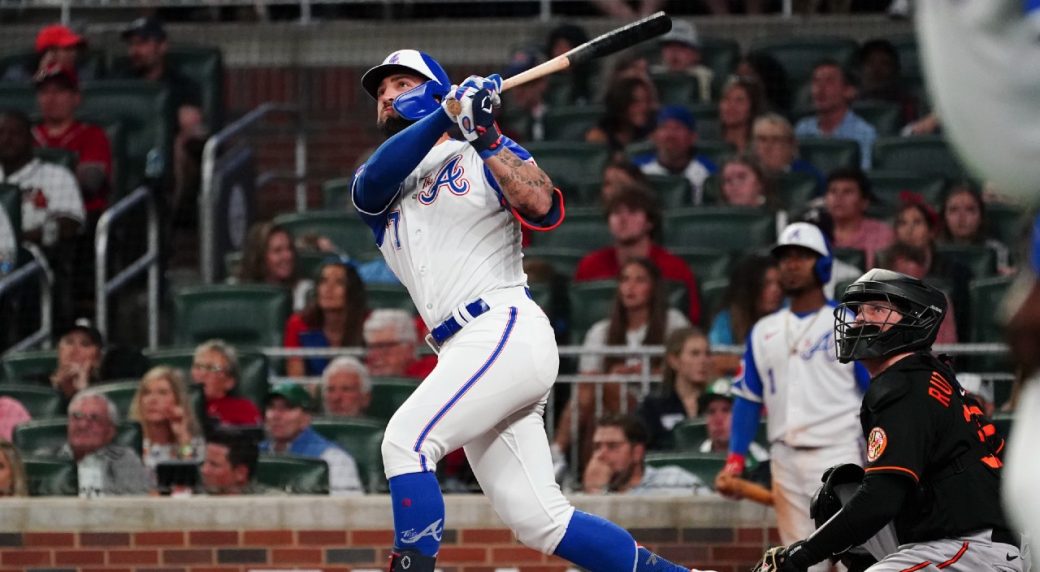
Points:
(640, 317)
(171, 431)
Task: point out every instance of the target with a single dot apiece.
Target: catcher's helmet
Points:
(807, 235)
(922, 309)
(419, 101)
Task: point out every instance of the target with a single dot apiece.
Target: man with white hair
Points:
(104, 468)
(346, 388)
(392, 341)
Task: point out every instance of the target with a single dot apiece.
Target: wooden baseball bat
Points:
(611, 42)
(744, 489)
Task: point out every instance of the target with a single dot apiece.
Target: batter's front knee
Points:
(400, 456)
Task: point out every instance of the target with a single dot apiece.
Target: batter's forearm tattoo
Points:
(525, 185)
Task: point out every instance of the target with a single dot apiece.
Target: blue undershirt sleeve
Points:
(743, 425)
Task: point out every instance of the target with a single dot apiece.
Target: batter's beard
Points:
(393, 125)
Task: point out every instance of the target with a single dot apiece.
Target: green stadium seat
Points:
(205, 66)
(885, 116)
(388, 393)
(570, 163)
(254, 370)
(677, 88)
(798, 54)
(585, 229)
(560, 91)
(796, 189)
(641, 149)
(673, 191)
(854, 256)
(308, 262)
(57, 156)
(591, 302)
(51, 477)
(733, 229)
(704, 465)
(362, 438)
(713, 292)
(389, 296)
(43, 437)
(563, 260)
(293, 475)
(689, 434)
(335, 194)
(707, 263)
(706, 114)
(11, 206)
(887, 186)
(570, 123)
(979, 258)
(721, 55)
(345, 229)
(828, 154)
(909, 55)
(924, 154)
(715, 151)
(32, 366)
(985, 297)
(1007, 222)
(121, 393)
(41, 402)
(115, 130)
(19, 96)
(240, 314)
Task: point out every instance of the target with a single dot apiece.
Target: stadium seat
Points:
(909, 55)
(254, 369)
(715, 151)
(640, 149)
(591, 302)
(1007, 222)
(51, 477)
(570, 123)
(308, 262)
(30, 367)
(796, 189)
(563, 260)
(827, 154)
(560, 91)
(345, 229)
(798, 54)
(205, 66)
(673, 191)
(19, 96)
(677, 88)
(388, 393)
(721, 55)
(924, 154)
(706, 115)
(43, 437)
(885, 116)
(733, 229)
(240, 314)
(985, 296)
(853, 256)
(362, 438)
(704, 465)
(335, 194)
(389, 296)
(41, 402)
(587, 228)
(569, 163)
(11, 205)
(713, 292)
(57, 156)
(707, 263)
(121, 393)
(688, 434)
(979, 258)
(888, 185)
(294, 475)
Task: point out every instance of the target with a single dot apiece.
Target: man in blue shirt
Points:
(832, 93)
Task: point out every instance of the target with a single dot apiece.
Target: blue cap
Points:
(678, 113)
(521, 61)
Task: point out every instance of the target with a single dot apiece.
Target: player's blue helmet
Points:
(807, 235)
(420, 101)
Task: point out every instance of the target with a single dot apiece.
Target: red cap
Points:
(57, 36)
(59, 74)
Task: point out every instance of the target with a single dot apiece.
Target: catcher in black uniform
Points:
(933, 460)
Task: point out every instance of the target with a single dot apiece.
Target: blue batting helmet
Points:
(417, 102)
(807, 235)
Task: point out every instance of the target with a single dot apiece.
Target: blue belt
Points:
(452, 325)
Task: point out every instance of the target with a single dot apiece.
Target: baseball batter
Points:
(446, 214)
(789, 367)
(933, 461)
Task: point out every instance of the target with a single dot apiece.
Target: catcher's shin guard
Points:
(411, 561)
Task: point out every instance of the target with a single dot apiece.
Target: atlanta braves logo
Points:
(451, 177)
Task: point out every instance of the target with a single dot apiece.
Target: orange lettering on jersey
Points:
(939, 396)
(940, 389)
(876, 443)
(992, 462)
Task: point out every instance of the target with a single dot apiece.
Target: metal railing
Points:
(37, 268)
(208, 195)
(148, 262)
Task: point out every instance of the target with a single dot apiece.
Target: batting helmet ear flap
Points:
(825, 264)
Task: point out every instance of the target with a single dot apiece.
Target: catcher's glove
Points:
(777, 559)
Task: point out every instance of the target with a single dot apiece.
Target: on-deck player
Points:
(446, 214)
(790, 368)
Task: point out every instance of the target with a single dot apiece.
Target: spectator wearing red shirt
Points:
(392, 340)
(634, 218)
(58, 97)
(215, 367)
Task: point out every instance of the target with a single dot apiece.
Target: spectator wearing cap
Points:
(55, 44)
(58, 98)
(346, 388)
(681, 54)
(229, 464)
(392, 343)
(774, 145)
(833, 90)
(287, 423)
(146, 46)
(80, 350)
(847, 198)
(524, 108)
(675, 144)
(215, 368)
(634, 219)
(716, 406)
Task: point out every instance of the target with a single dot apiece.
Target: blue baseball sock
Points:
(598, 545)
(418, 512)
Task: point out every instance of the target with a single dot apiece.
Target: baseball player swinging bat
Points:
(611, 42)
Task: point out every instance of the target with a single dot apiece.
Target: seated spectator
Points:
(621, 173)
(12, 414)
(269, 257)
(771, 75)
(562, 39)
(524, 107)
(334, 319)
(392, 344)
(80, 351)
(629, 116)
(754, 291)
(618, 464)
(745, 184)
(287, 423)
(847, 197)
(774, 145)
(13, 482)
(55, 44)
(104, 468)
(742, 101)
(681, 54)
(640, 317)
(685, 375)
(913, 261)
(58, 98)
(675, 142)
(215, 367)
(229, 465)
(346, 388)
(964, 223)
(716, 405)
(634, 218)
(162, 407)
(880, 77)
(833, 90)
